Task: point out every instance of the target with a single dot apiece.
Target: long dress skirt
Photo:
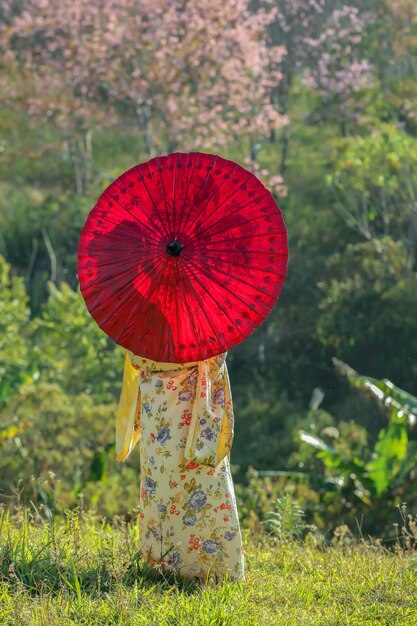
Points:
(188, 516)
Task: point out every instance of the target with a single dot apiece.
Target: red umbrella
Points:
(182, 257)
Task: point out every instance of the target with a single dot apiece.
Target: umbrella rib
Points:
(123, 243)
(211, 196)
(108, 279)
(134, 253)
(244, 282)
(219, 206)
(129, 293)
(197, 335)
(163, 195)
(174, 198)
(159, 261)
(163, 340)
(129, 266)
(133, 311)
(148, 216)
(252, 220)
(253, 237)
(159, 269)
(116, 275)
(190, 212)
(236, 211)
(162, 223)
(203, 308)
(177, 301)
(244, 265)
(186, 195)
(129, 212)
(230, 251)
(84, 257)
(234, 294)
(120, 225)
(158, 266)
(125, 290)
(131, 237)
(121, 302)
(217, 304)
(167, 341)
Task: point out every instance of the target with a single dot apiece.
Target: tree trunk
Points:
(284, 150)
(81, 158)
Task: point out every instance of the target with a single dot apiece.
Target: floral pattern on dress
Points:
(188, 515)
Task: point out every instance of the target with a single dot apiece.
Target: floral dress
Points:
(182, 414)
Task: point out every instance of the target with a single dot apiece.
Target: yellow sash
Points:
(218, 417)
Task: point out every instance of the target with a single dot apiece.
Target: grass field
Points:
(82, 570)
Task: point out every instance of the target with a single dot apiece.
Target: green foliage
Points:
(65, 440)
(286, 520)
(14, 317)
(70, 350)
(382, 474)
(390, 452)
(266, 425)
(375, 183)
(377, 166)
(40, 229)
(394, 454)
(369, 288)
(367, 309)
(60, 377)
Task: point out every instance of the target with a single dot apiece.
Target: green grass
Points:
(83, 570)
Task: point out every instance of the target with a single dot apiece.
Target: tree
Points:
(375, 185)
(322, 41)
(190, 75)
(391, 45)
(54, 50)
(336, 70)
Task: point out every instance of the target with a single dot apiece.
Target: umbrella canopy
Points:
(182, 257)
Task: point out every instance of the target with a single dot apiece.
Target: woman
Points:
(183, 255)
(183, 416)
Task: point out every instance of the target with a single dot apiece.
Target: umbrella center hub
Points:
(174, 248)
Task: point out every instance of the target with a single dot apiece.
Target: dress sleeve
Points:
(128, 414)
(228, 421)
(210, 433)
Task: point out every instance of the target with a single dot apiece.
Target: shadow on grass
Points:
(46, 571)
(38, 576)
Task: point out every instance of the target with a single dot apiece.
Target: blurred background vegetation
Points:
(319, 99)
